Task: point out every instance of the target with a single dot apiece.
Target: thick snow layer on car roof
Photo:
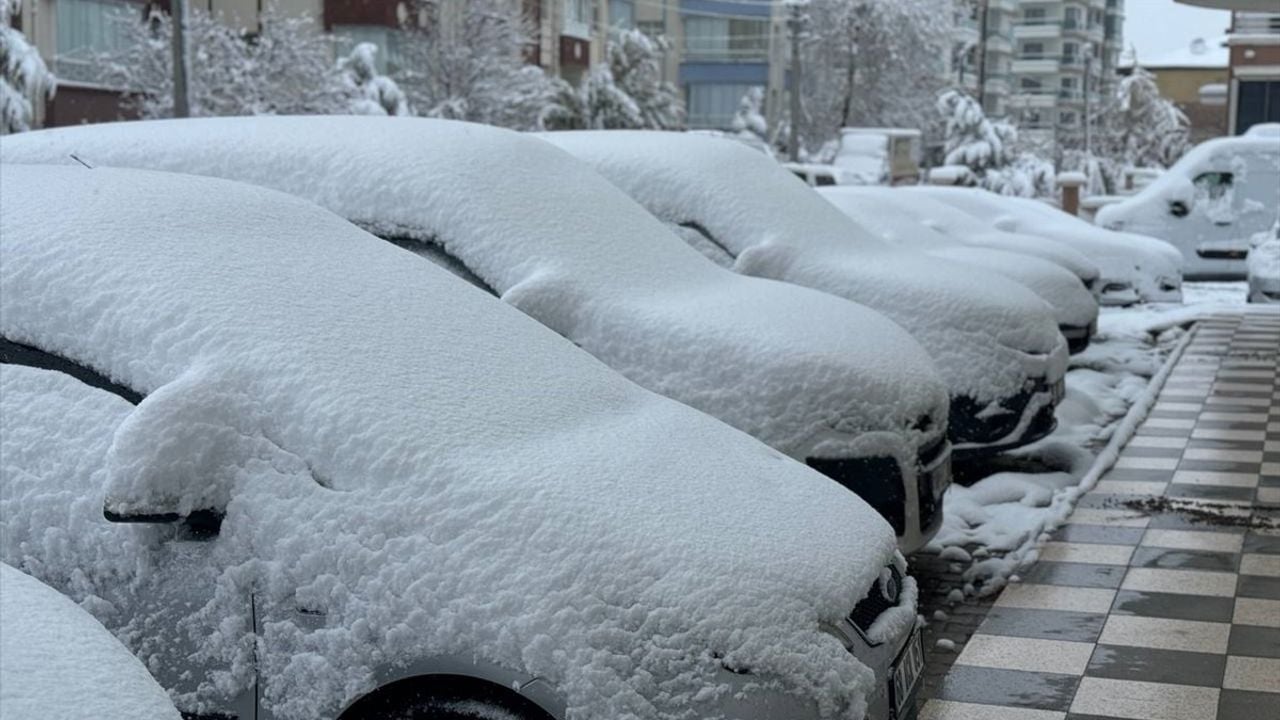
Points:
(804, 372)
(986, 333)
(56, 661)
(1144, 262)
(965, 228)
(880, 211)
(480, 485)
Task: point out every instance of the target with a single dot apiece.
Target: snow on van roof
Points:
(799, 370)
(481, 485)
(56, 661)
(779, 227)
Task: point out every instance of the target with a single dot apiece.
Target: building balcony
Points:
(1252, 24)
(1024, 98)
(1037, 30)
(1035, 64)
(999, 44)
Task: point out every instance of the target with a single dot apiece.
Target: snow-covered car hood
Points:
(983, 331)
(479, 484)
(886, 213)
(1151, 267)
(804, 372)
(965, 228)
(56, 661)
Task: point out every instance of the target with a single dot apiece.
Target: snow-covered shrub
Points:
(627, 92)
(24, 79)
(373, 92)
(287, 68)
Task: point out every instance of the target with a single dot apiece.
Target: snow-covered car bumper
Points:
(913, 509)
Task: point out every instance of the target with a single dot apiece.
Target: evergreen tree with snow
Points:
(626, 92)
(988, 148)
(1145, 128)
(372, 92)
(750, 117)
(25, 78)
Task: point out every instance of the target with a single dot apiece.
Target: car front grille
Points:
(874, 604)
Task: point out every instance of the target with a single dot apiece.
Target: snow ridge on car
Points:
(456, 480)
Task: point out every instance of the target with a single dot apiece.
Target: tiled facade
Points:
(1160, 599)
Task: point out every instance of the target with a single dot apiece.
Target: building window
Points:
(1257, 102)
(622, 14)
(1029, 84)
(1032, 51)
(577, 19)
(713, 105)
(652, 28)
(1067, 118)
(346, 37)
(87, 29)
(719, 39)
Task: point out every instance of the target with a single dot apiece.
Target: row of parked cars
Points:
(293, 406)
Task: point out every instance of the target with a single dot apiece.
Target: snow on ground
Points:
(997, 524)
(56, 661)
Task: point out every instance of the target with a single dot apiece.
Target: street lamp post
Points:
(1088, 105)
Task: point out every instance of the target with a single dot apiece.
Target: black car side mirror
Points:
(1177, 208)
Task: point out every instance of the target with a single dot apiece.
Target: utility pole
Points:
(794, 25)
(181, 101)
(1088, 119)
(982, 54)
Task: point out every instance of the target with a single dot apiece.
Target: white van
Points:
(1208, 204)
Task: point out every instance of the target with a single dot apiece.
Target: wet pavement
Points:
(1160, 597)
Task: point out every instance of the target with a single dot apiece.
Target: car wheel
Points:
(444, 698)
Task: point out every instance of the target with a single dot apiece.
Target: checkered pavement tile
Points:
(1142, 615)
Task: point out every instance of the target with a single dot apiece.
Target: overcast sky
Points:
(1159, 27)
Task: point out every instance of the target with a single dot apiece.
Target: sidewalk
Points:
(1160, 599)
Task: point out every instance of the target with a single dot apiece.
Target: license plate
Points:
(906, 672)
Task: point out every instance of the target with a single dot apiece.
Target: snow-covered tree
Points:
(872, 63)
(970, 138)
(287, 68)
(988, 148)
(627, 91)
(372, 92)
(24, 79)
(1144, 128)
(750, 117)
(465, 61)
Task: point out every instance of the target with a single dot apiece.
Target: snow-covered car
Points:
(1208, 205)
(343, 506)
(1134, 268)
(965, 228)
(995, 343)
(1264, 265)
(893, 217)
(818, 378)
(57, 661)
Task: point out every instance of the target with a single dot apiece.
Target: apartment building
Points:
(1044, 64)
(70, 34)
(718, 50)
(1254, 84)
